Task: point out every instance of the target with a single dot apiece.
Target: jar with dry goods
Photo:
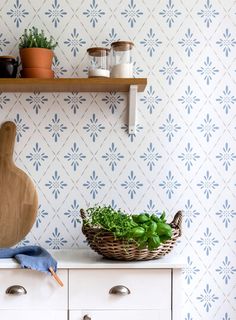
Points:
(98, 62)
(122, 59)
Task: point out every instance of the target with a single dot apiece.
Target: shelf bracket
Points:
(133, 90)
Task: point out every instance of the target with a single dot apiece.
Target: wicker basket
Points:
(104, 243)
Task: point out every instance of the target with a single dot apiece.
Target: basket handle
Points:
(83, 214)
(177, 221)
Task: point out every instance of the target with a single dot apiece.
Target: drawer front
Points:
(43, 292)
(119, 314)
(32, 315)
(149, 289)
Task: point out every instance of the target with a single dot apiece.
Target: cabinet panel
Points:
(43, 292)
(121, 314)
(32, 315)
(149, 289)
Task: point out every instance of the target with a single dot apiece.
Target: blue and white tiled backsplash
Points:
(76, 148)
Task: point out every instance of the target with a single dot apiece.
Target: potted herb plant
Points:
(36, 52)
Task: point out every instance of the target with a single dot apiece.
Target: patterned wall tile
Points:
(77, 149)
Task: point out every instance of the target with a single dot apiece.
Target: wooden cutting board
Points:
(18, 196)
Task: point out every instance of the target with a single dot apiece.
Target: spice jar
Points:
(98, 62)
(122, 64)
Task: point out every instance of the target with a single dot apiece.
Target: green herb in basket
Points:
(146, 230)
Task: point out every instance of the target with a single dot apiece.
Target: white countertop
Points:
(87, 259)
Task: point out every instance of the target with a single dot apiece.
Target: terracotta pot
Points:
(36, 58)
(37, 73)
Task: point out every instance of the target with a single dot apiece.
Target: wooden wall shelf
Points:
(131, 85)
(71, 84)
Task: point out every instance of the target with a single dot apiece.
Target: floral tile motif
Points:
(151, 100)
(208, 13)
(151, 43)
(170, 13)
(113, 156)
(56, 185)
(207, 184)
(73, 213)
(226, 213)
(21, 127)
(42, 214)
(94, 13)
(132, 184)
(55, 13)
(56, 241)
(169, 184)
(207, 128)
(74, 42)
(3, 100)
(208, 71)
(94, 184)
(74, 156)
(56, 128)
(17, 13)
(93, 128)
(207, 298)
(170, 71)
(113, 100)
(169, 128)
(37, 156)
(3, 42)
(112, 37)
(189, 157)
(188, 42)
(189, 99)
(132, 13)
(151, 156)
(227, 99)
(207, 241)
(227, 42)
(37, 100)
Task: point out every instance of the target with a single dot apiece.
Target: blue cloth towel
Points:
(31, 257)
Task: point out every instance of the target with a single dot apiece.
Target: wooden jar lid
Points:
(122, 45)
(98, 51)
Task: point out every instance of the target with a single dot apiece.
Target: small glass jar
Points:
(98, 62)
(122, 59)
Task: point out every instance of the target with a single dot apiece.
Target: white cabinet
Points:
(94, 289)
(33, 315)
(41, 291)
(120, 289)
(120, 315)
(30, 295)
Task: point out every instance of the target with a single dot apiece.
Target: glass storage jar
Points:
(98, 62)
(122, 60)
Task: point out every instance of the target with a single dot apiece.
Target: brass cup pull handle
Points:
(119, 290)
(86, 317)
(16, 290)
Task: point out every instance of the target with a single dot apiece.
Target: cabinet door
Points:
(148, 289)
(32, 315)
(120, 314)
(42, 292)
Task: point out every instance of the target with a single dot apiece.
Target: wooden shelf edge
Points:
(71, 84)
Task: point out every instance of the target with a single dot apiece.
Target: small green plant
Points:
(146, 230)
(32, 38)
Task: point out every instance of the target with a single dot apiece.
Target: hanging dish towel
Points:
(31, 257)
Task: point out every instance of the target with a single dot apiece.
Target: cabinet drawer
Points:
(43, 292)
(32, 315)
(121, 314)
(149, 289)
